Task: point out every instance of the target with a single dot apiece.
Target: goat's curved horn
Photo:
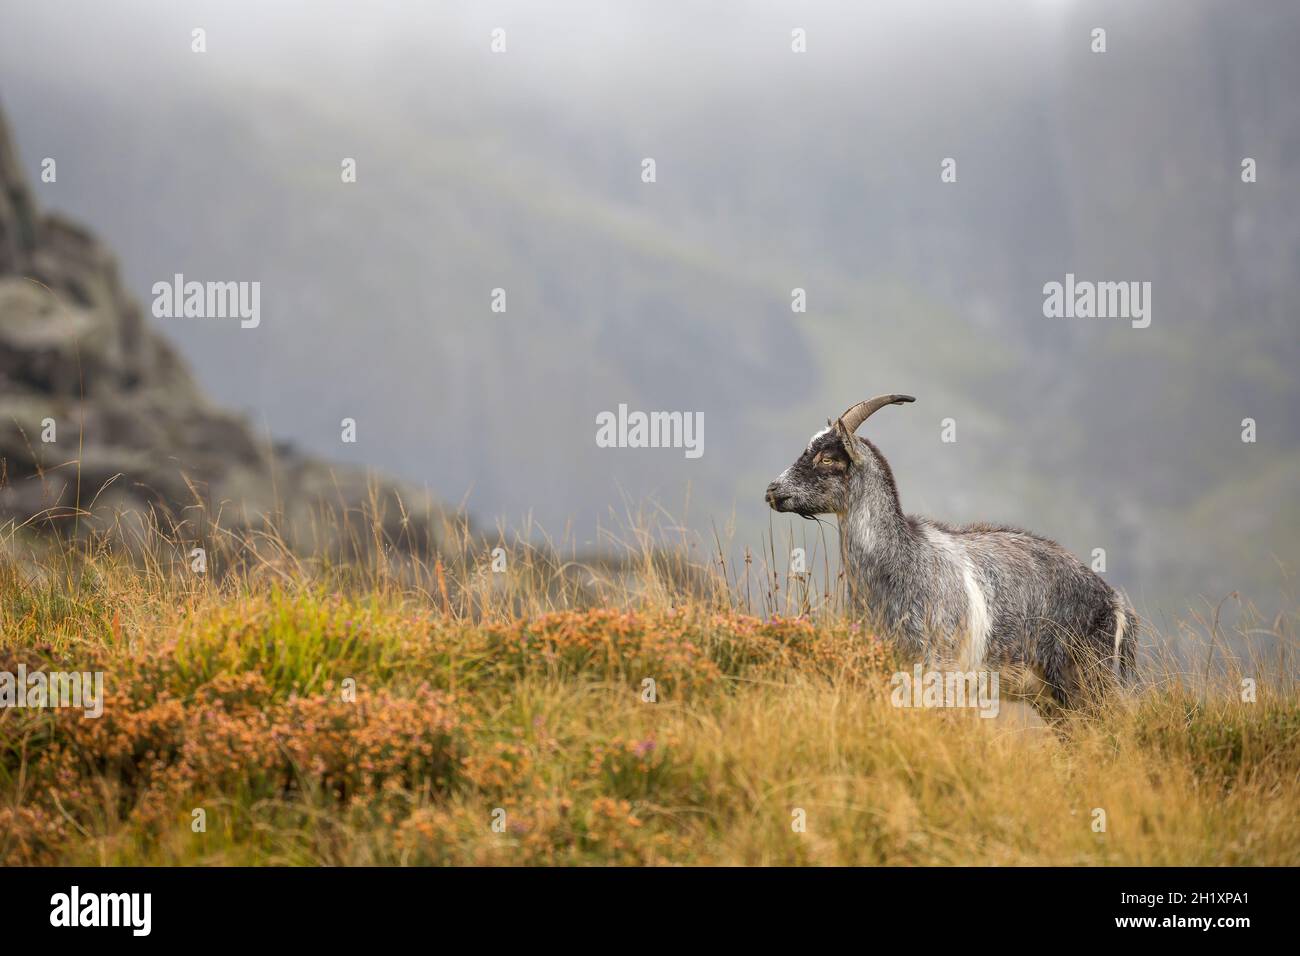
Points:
(859, 413)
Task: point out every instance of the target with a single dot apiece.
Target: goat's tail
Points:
(1125, 631)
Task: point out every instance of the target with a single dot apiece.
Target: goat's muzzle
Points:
(778, 501)
(773, 498)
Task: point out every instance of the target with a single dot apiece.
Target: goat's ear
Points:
(850, 443)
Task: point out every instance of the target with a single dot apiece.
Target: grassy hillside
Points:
(519, 698)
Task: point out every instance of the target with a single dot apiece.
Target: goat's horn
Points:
(859, 413)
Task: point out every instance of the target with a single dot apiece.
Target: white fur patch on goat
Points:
(812, 441)
(978, 624)
(1121, 622)
(860, 518)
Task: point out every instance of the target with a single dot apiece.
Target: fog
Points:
(775, 171)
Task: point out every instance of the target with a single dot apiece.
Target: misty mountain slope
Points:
(101, 421)
(774, 172)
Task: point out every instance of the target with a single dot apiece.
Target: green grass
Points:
(425, 715)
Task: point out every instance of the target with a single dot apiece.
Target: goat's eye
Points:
(828, 462)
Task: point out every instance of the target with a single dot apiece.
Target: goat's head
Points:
(827, 477)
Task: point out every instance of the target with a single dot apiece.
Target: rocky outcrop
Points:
(131, 431)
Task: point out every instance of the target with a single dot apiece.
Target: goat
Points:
(980, 596)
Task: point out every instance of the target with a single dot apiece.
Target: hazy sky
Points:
(774, 171)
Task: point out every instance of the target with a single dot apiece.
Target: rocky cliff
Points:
(100, 417)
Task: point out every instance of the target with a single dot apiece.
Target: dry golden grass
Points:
(503, 718)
